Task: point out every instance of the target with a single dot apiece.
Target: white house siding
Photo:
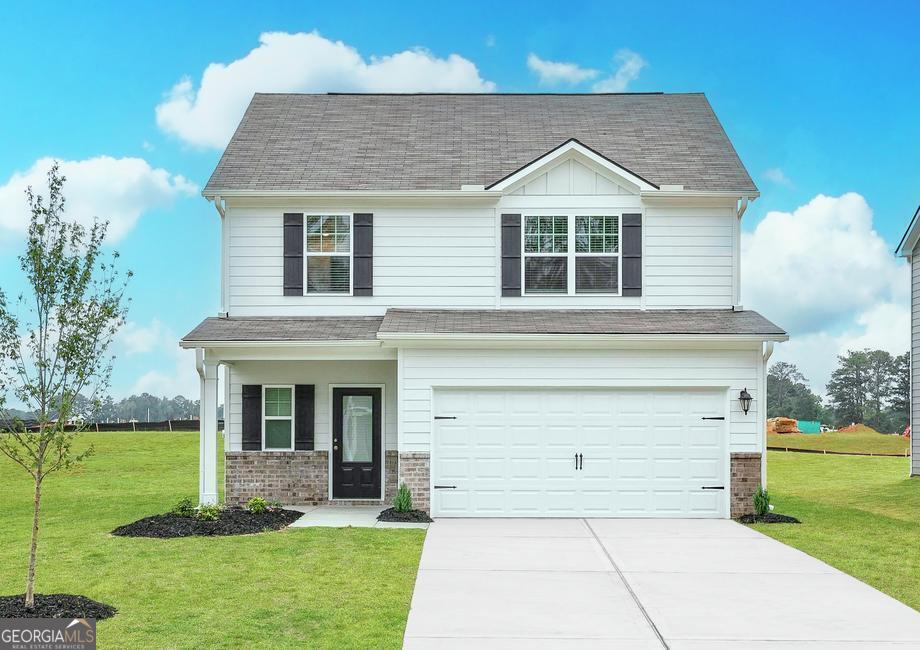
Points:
(321, 374)
(915, 362)
(427, 258)
(690, 257)
(425, 369)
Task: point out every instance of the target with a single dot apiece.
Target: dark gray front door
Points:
(356, 443)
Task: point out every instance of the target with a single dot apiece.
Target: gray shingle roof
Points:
(301, 142)
(576, 321)
(472, 321)
(339, 328)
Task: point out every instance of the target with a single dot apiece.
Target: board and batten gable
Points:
(915, 360)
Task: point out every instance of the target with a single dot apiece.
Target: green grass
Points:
(860, 515)
(863, 442)
(308, 587)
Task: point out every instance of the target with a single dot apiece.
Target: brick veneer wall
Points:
(745, 479)
(292, 477)
(414, 472)
(391, 473)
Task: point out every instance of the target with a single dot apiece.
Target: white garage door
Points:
(579, 453)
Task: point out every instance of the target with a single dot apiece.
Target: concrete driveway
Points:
(631, 583)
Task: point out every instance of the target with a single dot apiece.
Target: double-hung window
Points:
(571, 254)
(278, 418)
(328, 253)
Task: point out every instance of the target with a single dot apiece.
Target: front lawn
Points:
(864, 441)
(307, 587)
(859, 514)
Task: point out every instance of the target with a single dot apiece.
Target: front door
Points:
(356, 443)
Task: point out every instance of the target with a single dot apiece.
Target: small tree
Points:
(54, 343)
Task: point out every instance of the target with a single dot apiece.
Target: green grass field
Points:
(864, 442)
(859, 514)
(308, 587)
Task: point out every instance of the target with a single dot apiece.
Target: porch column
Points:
(207, 473)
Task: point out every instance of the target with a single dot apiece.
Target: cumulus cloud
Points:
(144, 345)
(628, 66)
(551, 73)
(206, 115)
(778, 176)
(821, 266)
(117, 190)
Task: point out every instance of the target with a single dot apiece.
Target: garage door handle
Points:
(445, 487)
(720, 417)
(713, 487)
(445, 417)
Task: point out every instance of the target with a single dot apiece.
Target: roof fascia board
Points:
(909, 239)
(677, 196)
(188, 344)
(578, 338)
(485, 193)
(566, 149)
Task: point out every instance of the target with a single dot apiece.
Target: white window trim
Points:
(351, 253)
(278, 417)
(570, 256)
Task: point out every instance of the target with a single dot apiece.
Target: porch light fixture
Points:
(745, 399)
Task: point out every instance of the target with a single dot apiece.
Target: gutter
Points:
(402, 336)
(331, 194)
(199, 345)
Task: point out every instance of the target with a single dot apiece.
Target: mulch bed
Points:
(232, 521)
(413, 516)
(769, 518)
(55, 606)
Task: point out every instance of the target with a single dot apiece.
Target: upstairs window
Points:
(571, 254)
(546, 246)
(328, 253)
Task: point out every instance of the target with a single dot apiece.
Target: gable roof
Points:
(406, 142)
(911, 235)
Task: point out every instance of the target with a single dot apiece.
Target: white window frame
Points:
(570, 256)
(278, 417)
(307, 254)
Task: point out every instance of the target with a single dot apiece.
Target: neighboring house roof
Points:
(405, 142)
(577, 321)
(911, 235)
(403, 322)
(273, 329)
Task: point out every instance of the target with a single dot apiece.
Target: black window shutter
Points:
(632, 254)
(303, 417)
(252, 417)
(363, 282)
(293, 253)
(511, 254)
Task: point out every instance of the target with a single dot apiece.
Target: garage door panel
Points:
(512, 453)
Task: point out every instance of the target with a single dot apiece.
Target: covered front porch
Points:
(307, 421)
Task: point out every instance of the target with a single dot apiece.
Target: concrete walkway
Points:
(655, 583)
(346, 516)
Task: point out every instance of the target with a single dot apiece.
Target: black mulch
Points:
(232, 521)
(769, 518)
(414, 516)
(54, 606)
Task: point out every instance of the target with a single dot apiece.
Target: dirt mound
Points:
(55, 606)
(857, 428)
(782, 425)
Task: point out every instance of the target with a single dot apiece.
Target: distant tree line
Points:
(141, 407)
(868, 386)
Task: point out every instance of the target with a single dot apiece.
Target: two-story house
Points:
(519, 305)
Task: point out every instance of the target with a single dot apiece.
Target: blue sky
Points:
(818, 98)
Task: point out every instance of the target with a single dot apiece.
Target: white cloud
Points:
(820, 266)
(778, 176)
(629, 64)
(555, 72)
(302, 62)
(155, 344)
(118, 190)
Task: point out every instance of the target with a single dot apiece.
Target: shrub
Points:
(210, 512)
(403, 500)
(257, 505)
(761, 502)
(185, 507)
(275, 505)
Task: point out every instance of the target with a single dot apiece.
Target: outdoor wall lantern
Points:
(745, 399)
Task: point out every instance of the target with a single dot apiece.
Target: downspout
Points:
(767, 353)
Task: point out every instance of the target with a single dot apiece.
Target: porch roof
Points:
(404, 322)
(278, 329)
